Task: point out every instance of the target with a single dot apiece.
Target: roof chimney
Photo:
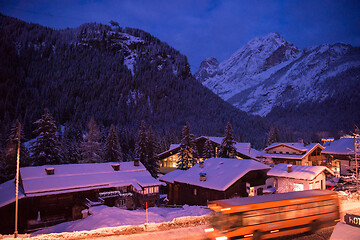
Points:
(202, 176)
(50, 171)
(116, 166)
(201, 164)
(136, 162)
(289, 168)
(300, 140)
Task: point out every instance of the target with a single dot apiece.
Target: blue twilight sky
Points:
(205, 28)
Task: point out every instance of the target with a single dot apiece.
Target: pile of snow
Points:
(345, 231)
(105, 217)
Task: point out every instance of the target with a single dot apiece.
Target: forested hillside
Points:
(116, 75)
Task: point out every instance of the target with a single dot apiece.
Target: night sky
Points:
(204, 28)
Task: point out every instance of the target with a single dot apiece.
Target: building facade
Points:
(291, 178)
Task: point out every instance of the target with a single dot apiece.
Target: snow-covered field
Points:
(103, 216)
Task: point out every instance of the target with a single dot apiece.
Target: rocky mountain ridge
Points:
(269, 72)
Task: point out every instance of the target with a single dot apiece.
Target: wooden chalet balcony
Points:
(317, 158)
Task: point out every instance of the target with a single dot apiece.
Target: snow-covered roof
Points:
(307, 149)
(343, 146)
(221, 173)
(82, 177)
(173, 146)
(8, 192)
(298, 171)
(169, 177)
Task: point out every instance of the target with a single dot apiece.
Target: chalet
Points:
(215, 178)
(56, 193)
(293, 153)
(341, 154)
(169, 158)
(290, 178)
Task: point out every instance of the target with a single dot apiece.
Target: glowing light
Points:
(209, 230)
(249, 235)
(222, 238)
(274, 231)
(225, 209)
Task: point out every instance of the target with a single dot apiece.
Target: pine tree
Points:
(91, 147)
(208, 151)
(46, 147)
(273, 136)
(227, 149)
(187, 151)
(70, 145)
(112, 150)
(153, 164)
(142, 144)
(9, 153)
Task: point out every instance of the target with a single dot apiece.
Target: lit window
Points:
(195, 192)
(298, 187)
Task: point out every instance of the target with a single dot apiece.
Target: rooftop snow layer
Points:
(8, 192)
(299, 146)
(81, 177)
(298, 171)
(169, 177)
(221, 173)
(343, 146)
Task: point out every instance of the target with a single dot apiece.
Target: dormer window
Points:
(50, 171)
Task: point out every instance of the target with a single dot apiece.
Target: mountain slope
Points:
(269, 75)
(118, 75)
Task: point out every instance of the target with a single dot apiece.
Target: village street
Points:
(198, 233)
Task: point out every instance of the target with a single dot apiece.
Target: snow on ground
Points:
(344, 231)
(103, 216)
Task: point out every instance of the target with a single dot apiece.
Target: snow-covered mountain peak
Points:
(208, 68)
(259, 54)
(269, 71)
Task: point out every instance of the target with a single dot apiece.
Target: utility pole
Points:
(17, 183)
(356, 137)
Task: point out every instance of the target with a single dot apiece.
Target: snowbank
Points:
(105, 217)
(344, 231)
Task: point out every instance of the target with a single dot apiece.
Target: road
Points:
(197, 233)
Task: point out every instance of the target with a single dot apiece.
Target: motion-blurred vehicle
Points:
(275, 215)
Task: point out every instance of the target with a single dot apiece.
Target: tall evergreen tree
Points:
(9, 153)
(153, 164)
(112, 150)
(208, 151)
(46, 148)
(91, 147)
(188, 150)
(227, 148)
(273, 136)
(142, 144)
(70, 144)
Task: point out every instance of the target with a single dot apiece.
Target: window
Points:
(195, 192)
(298, 187)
